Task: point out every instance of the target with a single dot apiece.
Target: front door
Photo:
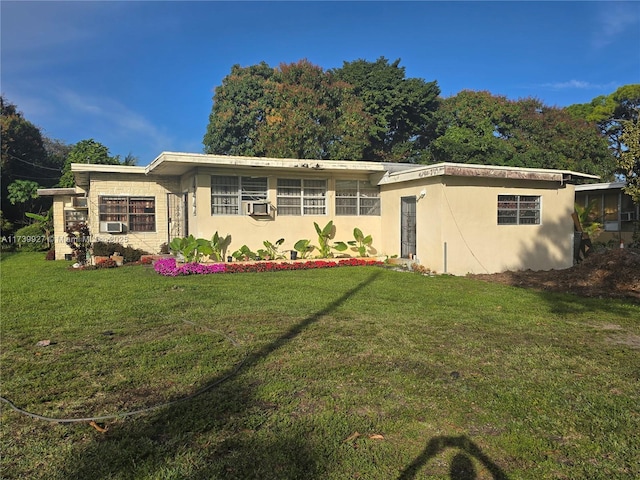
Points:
(408, 227)
(176, 216)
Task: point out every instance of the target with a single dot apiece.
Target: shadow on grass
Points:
(462, 467)
(214, 435)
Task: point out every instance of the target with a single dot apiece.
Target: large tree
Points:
(312, 115)
(629, 162)
(610, 112)
(23, 156)
(85, 151)
(402, 108)
(239, 107)
(478, 127)
(296, 110)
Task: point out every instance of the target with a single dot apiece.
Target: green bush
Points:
(102, 249)
(106, 249)
(131, 254)
(31, 239)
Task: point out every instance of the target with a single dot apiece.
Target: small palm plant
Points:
(361, 242)
(586, 215)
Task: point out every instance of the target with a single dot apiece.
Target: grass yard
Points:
(347, 373)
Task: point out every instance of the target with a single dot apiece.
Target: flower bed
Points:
(169, 268)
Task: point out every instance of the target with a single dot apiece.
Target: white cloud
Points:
(615, 19)
(117, 121)
(577, 84)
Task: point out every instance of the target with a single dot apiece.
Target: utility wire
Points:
(59, 170)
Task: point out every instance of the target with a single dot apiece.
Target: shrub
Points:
(31, 239)
(131, 254)
(78, 239)
(102, 249)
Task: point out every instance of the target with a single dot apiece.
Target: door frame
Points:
(408, 228)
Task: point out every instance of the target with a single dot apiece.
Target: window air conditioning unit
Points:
(611, 226)
(627, 216)
(80, 202)
(112, 227)
(259, 208)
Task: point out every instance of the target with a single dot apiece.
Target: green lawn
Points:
(355, 372)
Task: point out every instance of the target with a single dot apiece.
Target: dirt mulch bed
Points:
(613, 273)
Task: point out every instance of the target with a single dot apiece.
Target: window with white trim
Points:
(519, 210)
(138, 214)
(73, 217)
(357, 197)
(301, 197)
(228, 192)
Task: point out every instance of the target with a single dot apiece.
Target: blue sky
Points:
(139, 76)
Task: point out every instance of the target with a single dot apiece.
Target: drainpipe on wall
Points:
(445, 257)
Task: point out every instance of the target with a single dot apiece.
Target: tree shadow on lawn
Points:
(462, 467)
(216, 422)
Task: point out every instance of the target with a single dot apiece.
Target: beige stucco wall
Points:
(461, 212)
(252, 231)
(132, 185)
(59, 204)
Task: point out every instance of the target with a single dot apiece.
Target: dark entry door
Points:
(408, 227)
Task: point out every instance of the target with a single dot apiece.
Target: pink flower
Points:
(169, 268)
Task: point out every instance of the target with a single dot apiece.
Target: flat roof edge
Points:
(599, 186)
(237, 160)
(98, 167)
(484, 171)
(45, 192)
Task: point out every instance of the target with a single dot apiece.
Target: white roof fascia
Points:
(485, 171)
(96, 167)
(204, 160)
(599, 186)
(54, 191)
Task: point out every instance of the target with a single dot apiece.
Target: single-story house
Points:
(612, 208)
(452, 218)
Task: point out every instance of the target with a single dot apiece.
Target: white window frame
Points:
(360, 201)
(239, 189)
(301, 197)
(73, 217)
(519, 209)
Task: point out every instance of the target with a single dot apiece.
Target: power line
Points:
(35, 178)
(59, 170)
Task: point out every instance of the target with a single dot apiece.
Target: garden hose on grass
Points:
(92, 420)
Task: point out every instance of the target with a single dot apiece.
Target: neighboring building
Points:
(454, 218)
(613, 208)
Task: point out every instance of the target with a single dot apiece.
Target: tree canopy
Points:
(312, 115)
(23, 157)
(629, 162)
(296, 110)
(362, 111)
(30, 160)
(617, 116)
(609, 112)
(239, 107)
(478, 127)
(372, 111)
(402, 108)
(85, 151)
